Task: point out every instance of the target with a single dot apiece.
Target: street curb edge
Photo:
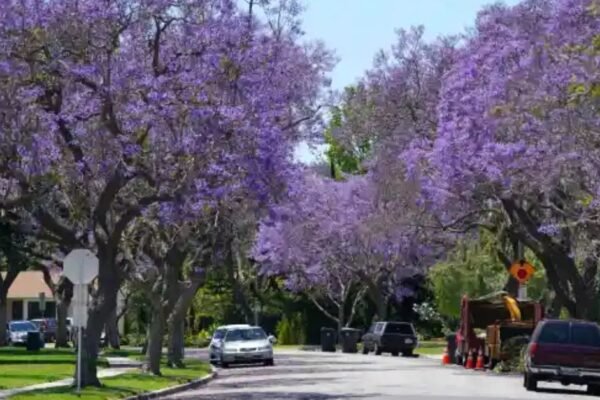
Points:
(176, 389)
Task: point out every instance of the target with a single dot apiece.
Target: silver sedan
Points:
(245, 346)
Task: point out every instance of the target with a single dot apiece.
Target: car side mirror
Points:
(272, 339)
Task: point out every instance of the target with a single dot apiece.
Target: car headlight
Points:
(229, 350)
(267, 347)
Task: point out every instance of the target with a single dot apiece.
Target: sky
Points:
(357, 29)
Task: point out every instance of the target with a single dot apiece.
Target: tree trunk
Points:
(62, 334)
(379, 300)
(155, 341)
(176, 347)
(176, 321)
(239, 296)
(3, 317)
(111, 330)
(90, 345)
(555, 308)
(575, 291)
(104, 301)
(341, 319)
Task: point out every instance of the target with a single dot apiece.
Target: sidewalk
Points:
(118, 369)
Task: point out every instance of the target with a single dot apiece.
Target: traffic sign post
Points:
(42, 297)
(81, 268)
(522, 271)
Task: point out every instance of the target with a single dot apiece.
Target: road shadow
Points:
(571, 392)
(272, 395)
(233, 382)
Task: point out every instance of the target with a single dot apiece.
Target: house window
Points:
(33, 310)
(17, 310)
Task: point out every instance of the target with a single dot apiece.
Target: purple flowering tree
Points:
(516, 149)
(111, 107)
(335, 243)
(308, 242)
(392, 107)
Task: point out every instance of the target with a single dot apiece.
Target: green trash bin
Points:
(328, 339)
(34, 341)
(350, 338)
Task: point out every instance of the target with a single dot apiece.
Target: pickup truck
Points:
(565, 351)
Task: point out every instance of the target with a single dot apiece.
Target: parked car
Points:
(217, 339)
(244, 346)
(48, 328)
(565, 351)
(17, 331)
(390, 337)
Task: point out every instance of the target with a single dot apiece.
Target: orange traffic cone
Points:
(479, 366)
(470, 362)
(446, 357)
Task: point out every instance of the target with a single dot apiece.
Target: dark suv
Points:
(390, 337)
(566, 352)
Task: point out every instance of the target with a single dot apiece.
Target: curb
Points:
(176, 389)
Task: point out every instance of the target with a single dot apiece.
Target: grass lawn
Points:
(19, 367)
(126, 385)
(431, 347)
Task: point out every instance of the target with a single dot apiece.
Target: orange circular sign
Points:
(522, 271)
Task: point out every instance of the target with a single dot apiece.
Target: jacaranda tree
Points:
(516, 146)
(109, 107)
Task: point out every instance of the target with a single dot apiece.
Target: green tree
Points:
(346, 152)
(474, 269)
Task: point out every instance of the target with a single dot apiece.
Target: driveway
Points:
(319, 376)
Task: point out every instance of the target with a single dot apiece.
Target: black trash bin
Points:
(328, 339)
(350, 338)
(34, 341)
(451, 343)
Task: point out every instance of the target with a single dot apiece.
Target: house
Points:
(24, 297)
(23, 300)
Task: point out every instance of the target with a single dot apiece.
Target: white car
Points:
(17, 331)
(244, 346)
(217, 339)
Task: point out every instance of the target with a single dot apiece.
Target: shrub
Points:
(291, 330)
(515, 349)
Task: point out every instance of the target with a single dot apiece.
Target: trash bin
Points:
(451, 343)
(350, 338)
(34, 341)
(328, 339)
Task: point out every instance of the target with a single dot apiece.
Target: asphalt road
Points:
(318, 376)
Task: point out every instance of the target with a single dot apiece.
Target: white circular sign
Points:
(80, 266)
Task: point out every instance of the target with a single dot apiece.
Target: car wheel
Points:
(407, 353)
(530, 382)
(395, 354)
(270, 362)
(593, 389)
(224, 364)
(377, 350)
(365, 350)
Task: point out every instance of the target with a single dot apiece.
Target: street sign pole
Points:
(81, 268)
(79, 360)
(522, 292)
(42, 300)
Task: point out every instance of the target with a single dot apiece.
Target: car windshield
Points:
(585, 335)
(219, 334)
(555, 333)
(404, 329)
(243, 335)
(22, 327)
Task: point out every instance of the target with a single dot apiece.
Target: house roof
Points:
(29, 284)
